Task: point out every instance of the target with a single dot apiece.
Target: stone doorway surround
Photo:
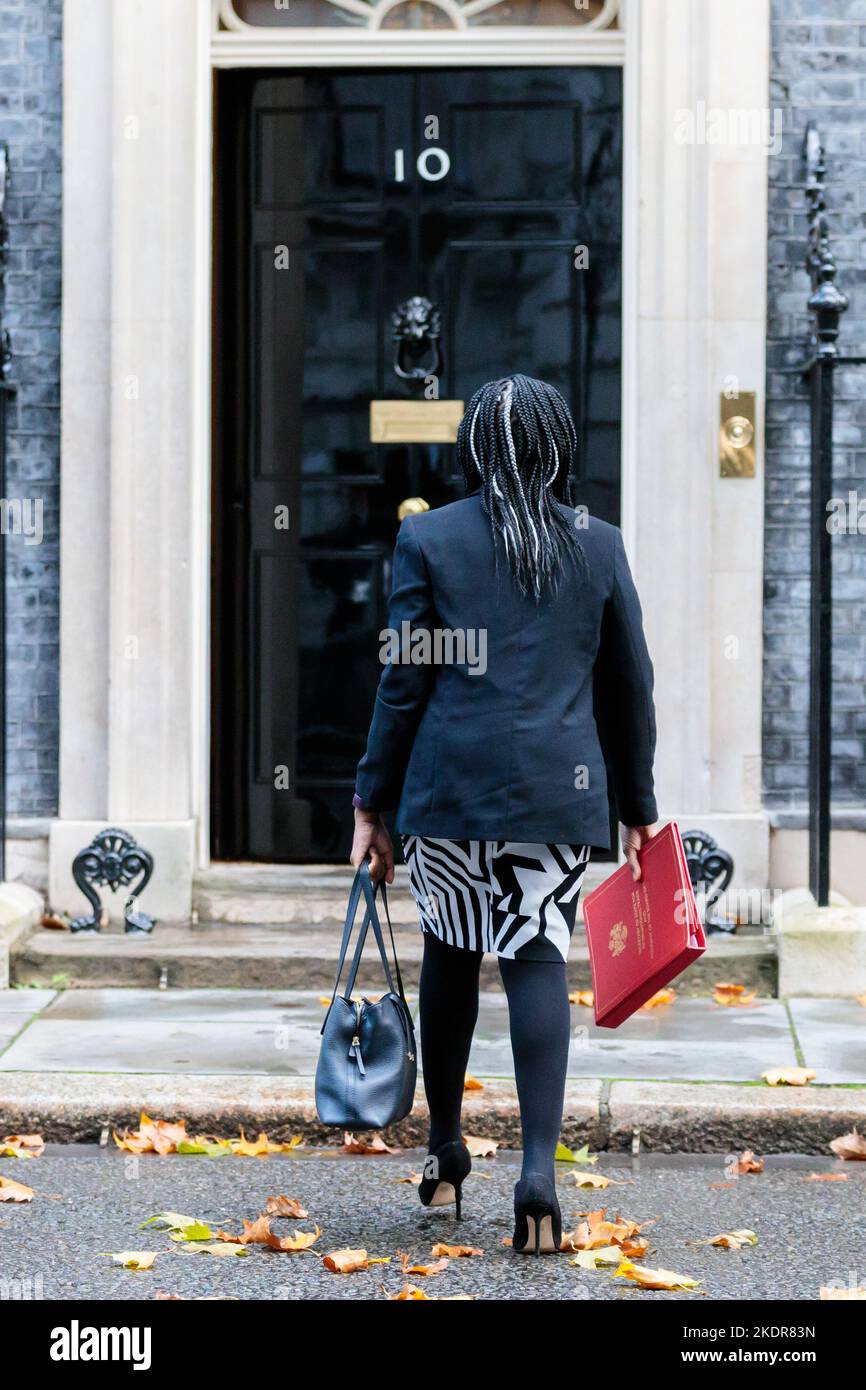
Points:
(136, 402)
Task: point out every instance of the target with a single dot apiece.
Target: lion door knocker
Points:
(710, 870)
(113, 859)
(417, 327)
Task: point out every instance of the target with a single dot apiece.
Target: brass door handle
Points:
(411, 506)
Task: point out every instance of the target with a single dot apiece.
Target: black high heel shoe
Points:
(444, 1171)
(537, 1218)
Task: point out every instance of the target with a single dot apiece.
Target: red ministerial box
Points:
(642, 935)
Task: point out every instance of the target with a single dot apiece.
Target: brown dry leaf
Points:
(409, 1268)
(654, 1278)
(861, 999)
(11, 1191)
(346, 1261)
(455, 1252)
(256, 1232)
(591, 1179)
(729, 1240)
(716, 1186)
(835, 1295)
(595, 1231)
(582, 996)
(788, 1076)
(260, 1147)
(661, 996)
(747, 1163)
(22, 1146)
(408, 1292)
(471, 1083)
(413, 1178)
(54, 922)
(480, 1148)
(285, 1206)
(152, 1136)
(161, 1297)
(300, 1240)
(826, 1177)
(376, 1145)
(734, 996)
(849, 1146)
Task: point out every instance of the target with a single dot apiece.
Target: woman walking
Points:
(496, 766)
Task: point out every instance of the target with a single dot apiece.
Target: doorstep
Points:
(213, 955)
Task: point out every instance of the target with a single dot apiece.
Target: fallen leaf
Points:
(836, 1295)
(849, 1146)
(300, 1240)
(471, 1083)
(455, 1252)
(324, 998)
(11, 1191)
(202, 1144)
(180, 1227)
(747, 1163)
(582, 996)
(563, 1154)
(409, 1268)
(22, 1146)
(136, 1259)
(54, 922)
(152, 1136)
(286, 1206)
(734, 996)
(408, 1292)
(716, 1186)
(660, 998)
(595, 1232)
(597, 1259)
(480, 1148)
(346, 1261)
(376, 1145)
(788, 1076)
(590, 1179)
(654, 1278)
(826, 1177)
(414, 1178)
(861, 999)
(729, 1240)
(261, 1147)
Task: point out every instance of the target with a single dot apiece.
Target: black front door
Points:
(496, 196)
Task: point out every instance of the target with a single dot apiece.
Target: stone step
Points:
(302, 894)
(218, 955)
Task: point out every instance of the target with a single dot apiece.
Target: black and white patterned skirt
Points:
(516, 900)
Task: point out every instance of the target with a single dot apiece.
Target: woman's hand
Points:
(372, 839)
(633, 838)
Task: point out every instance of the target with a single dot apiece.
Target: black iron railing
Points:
(826, 304)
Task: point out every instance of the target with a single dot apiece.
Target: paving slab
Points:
(691, 1039)
(17, 1006)
(278, 1034)
(832, 1037)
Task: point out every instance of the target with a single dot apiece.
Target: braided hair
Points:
(518, 439)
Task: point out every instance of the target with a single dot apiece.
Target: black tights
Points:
(540, 1023)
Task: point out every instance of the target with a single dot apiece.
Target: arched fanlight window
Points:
(417, 14)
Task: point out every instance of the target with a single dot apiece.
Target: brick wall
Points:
(818, 71)
(30, 125)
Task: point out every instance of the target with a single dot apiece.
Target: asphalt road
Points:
(91, 1201)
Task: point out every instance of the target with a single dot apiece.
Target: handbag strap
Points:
(371, 918)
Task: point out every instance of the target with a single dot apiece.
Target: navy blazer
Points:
(509, 743)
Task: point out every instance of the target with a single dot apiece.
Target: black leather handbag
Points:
(367, 1069)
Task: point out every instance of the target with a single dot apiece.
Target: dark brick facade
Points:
(30, 125)
(818, 71)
